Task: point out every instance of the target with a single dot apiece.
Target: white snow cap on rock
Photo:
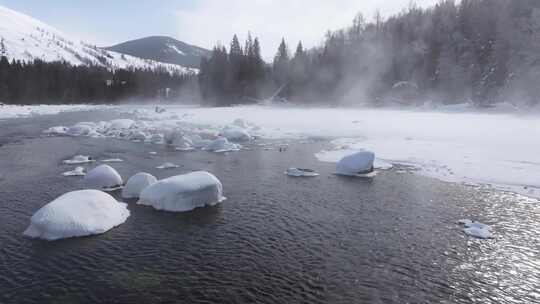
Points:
(103, 177)
(183, 192)
(75, 214)
(136, 184)
(356, 164)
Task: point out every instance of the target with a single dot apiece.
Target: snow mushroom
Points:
(75, 214)
(103, 177)
(136, 184)
(183, 192)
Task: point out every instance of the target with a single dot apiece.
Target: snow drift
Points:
(183, 192)
(75, 214)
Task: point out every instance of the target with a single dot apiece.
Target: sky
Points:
(204, 22)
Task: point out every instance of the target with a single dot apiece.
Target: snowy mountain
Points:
(25, 38)
(163, 49)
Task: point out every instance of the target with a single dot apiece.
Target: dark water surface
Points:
(392, 239)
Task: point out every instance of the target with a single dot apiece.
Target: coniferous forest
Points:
(60, 82)
(477, 51)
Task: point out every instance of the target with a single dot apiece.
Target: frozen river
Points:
(392, 239)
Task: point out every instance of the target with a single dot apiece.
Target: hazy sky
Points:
(204, 22)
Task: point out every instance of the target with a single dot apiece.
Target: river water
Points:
(391, 239)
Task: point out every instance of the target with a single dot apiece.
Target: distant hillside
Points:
(163, 49)
(27, 39)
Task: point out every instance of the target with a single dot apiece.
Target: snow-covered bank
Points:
(501, 150)
(16, 111)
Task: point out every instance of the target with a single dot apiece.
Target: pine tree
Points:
(3, 50)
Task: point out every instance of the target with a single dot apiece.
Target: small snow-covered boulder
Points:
(79, 159)
(183, 192)
(75, 214)
(235, 133)
(356, 164)
(136, 184)
(103, 177)
(222, 145)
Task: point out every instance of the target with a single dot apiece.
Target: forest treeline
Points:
(60, 82)
(478, 51)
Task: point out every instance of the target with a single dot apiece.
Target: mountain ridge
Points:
(163, 49)
(25, 38)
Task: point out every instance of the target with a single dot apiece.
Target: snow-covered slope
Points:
(25, 38)
(163, 49)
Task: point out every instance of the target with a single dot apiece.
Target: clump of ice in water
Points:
(75, 214)
(103, 177)
(136, 184)
(298, 172)
(476, 229)
(79, 159)
(235, 133)
(356, 164)
(183, 192)
(222, 145)
(167, 166)
(79, 171)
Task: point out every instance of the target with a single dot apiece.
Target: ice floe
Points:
(112, 160)
(78, 171)
(167, 166)
(79, 159)
(76, 214)
(359, 163)
(103, 177)
(222, 145)
(136, 184)
(183, 192)
(298, 172)
(476, 229)
(235, 133)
